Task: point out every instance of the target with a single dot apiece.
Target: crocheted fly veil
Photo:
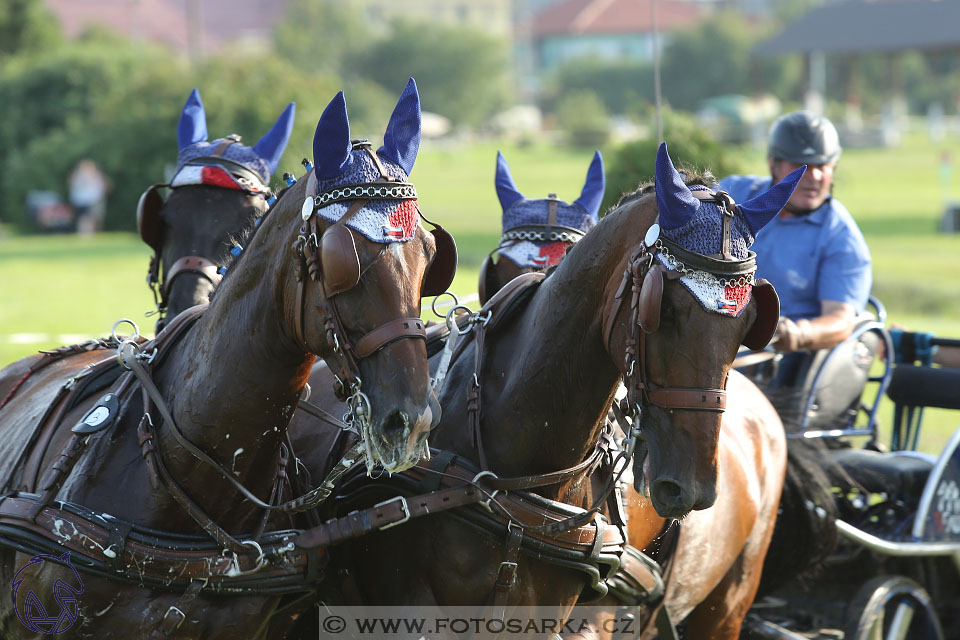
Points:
(225, 162)
(537, 233)
(349, 170)
(703, 225)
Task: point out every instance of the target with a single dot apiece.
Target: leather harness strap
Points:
(192, 264)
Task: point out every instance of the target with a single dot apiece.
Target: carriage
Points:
(895, 572)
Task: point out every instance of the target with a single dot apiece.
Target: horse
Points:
(630, 307)
(161, 492)
(219, 189)
(800, 541)
(537, 233)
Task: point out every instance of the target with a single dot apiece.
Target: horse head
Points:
(372, 261)
(537, 233)
(692, 300)
(220, 188)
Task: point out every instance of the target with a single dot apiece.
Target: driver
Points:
(812, 252)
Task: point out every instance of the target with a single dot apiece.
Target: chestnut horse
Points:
(548, 375)
(219, 190)
(160, 498)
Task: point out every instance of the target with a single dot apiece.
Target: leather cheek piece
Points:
(768, 314)
(441, 271)
(339, 260)
(651, 293)
(149, 223)
(484, 285)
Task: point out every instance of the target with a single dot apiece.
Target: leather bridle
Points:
(329, 258)
(644, 273)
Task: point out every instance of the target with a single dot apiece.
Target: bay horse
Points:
(161, 498)
(219, 189)
(718, 597)
(619, 306)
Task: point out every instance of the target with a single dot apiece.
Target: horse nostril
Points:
(667, 492)
(396, 421)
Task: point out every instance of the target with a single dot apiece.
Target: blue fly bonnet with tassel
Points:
(537, 233)
(695, 225)
(340, 163)
(225, 162)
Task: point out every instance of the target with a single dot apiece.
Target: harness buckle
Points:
(174, 609)
(403, 508)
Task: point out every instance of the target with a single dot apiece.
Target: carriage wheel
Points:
(892, 608)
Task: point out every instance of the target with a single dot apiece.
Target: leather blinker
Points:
(339, 260)
(149, 223)
(651, 294)
(768, 314)
(441, 271)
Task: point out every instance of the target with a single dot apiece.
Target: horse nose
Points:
(396, 423)
(670, 498)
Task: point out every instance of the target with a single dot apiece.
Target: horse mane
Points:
(692, 177)
(244, 237)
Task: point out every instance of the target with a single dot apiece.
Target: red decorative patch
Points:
(217, 177)
(737, 298)
(405, 217)
(553, 252)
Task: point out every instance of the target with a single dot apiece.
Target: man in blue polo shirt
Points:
(812, 252)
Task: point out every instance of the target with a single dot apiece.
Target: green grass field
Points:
(64, 288)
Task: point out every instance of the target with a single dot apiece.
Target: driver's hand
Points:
(792, 336)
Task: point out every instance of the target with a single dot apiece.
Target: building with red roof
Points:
(608, 29)
(196, 27)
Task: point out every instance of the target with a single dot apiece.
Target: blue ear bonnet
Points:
(262, 159)
(519, 211)
(535, 212)
(703, 234)
(360, 168)
(697, 226)
(236, 152)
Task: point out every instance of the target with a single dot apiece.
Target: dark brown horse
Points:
(720, 551)
(155, 493)
(219, 190)
(548, 374)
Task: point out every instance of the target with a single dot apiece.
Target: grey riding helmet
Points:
(804, 137)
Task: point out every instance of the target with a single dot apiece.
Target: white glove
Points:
(792, 336)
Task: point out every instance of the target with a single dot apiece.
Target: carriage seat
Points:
(899, 474)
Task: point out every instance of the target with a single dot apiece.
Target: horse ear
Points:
(401, 141)
(271, 146)
(592, 194)
(193, 122)
(760, 210)
(506, 190)
(331, 142)
(675, 203)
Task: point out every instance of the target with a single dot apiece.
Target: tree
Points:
(619, 84)
(26, 26)
(582, 116)
(713, 58)
(320, 35)
(691, 147)
(461, 72)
